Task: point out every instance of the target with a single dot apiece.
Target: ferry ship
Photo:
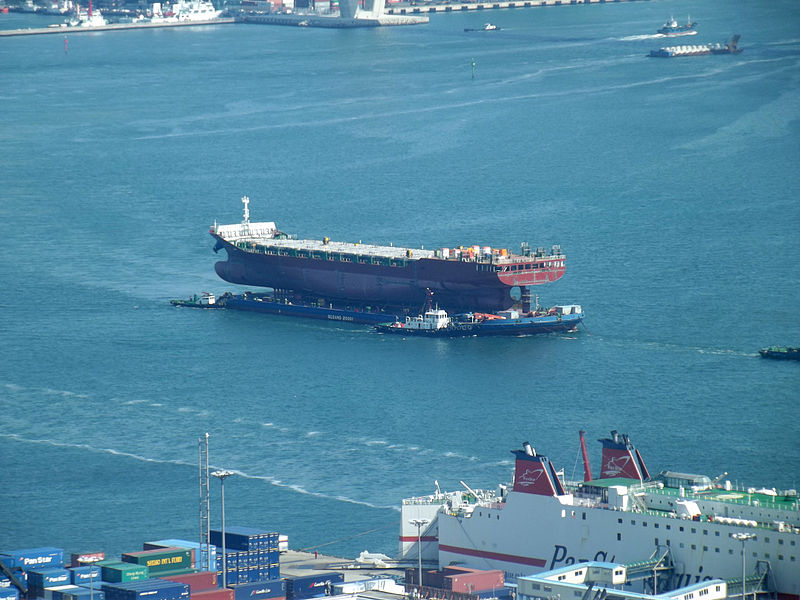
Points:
(473, 278)
(689, 527)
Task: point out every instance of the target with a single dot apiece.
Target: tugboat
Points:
(435, 322)
(204, 300)
(672, 27)
(780, 352)
(486, 27)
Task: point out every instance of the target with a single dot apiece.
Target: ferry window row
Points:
(755, 555)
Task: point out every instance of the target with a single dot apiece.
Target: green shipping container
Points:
(119, 572)
(161, 560)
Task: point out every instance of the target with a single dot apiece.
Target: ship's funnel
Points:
(528, 449)
(535, 474)
(621, 459)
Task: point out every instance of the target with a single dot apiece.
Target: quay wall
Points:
(111, 27)
(465, 6)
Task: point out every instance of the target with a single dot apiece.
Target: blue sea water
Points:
(671, 185)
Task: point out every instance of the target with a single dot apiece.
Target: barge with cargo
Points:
(467, 278)
(731, 47)
(692, 527)
(289, 305)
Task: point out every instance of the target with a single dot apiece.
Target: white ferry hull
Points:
(533, 533)
(539, 526)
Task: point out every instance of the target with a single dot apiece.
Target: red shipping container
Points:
(218, 594)
(458, 570)
(197, 582)
(479, 581)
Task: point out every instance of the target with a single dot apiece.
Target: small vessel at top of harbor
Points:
(87, 18)
(673, 28)
(731, 47)
(195, 11)
(780, 352)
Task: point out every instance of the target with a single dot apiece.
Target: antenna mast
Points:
(205, 505)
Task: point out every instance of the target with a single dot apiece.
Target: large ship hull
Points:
(457, 285)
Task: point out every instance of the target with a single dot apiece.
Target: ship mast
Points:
(246, 202)
(587, 469)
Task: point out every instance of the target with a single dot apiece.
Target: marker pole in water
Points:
(473, 68)
(66, 42)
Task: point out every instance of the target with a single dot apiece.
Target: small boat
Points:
(435, 322)
(780, 352)
(672, 27)
(486, 27)
(204, 300)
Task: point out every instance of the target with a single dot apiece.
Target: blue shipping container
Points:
(53, 593)
(80, 575)
(150, 589)
(57, 592)
(38, 579)
(7, 593)
(32, 558)
(245, 538)
(309, 586)
(263, 590)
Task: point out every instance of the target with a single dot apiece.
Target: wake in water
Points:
(272, 481)
(654, 36)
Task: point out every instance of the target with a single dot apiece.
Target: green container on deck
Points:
(161, 560)
(120, 572)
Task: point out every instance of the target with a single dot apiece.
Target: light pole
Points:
(222, 475)
(419, 523)
(743, 537)
(89, 561)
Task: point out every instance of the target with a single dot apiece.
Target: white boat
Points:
(540, 522)
(90, 18)
(195, 10)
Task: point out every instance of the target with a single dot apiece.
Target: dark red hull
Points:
(457, 286)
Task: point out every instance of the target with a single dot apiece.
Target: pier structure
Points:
(447, 6)
(66, 30)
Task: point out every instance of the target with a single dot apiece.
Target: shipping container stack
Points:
(159, 572)
(47, 562)
(461, 583)
(170, 569)
(251, 555)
